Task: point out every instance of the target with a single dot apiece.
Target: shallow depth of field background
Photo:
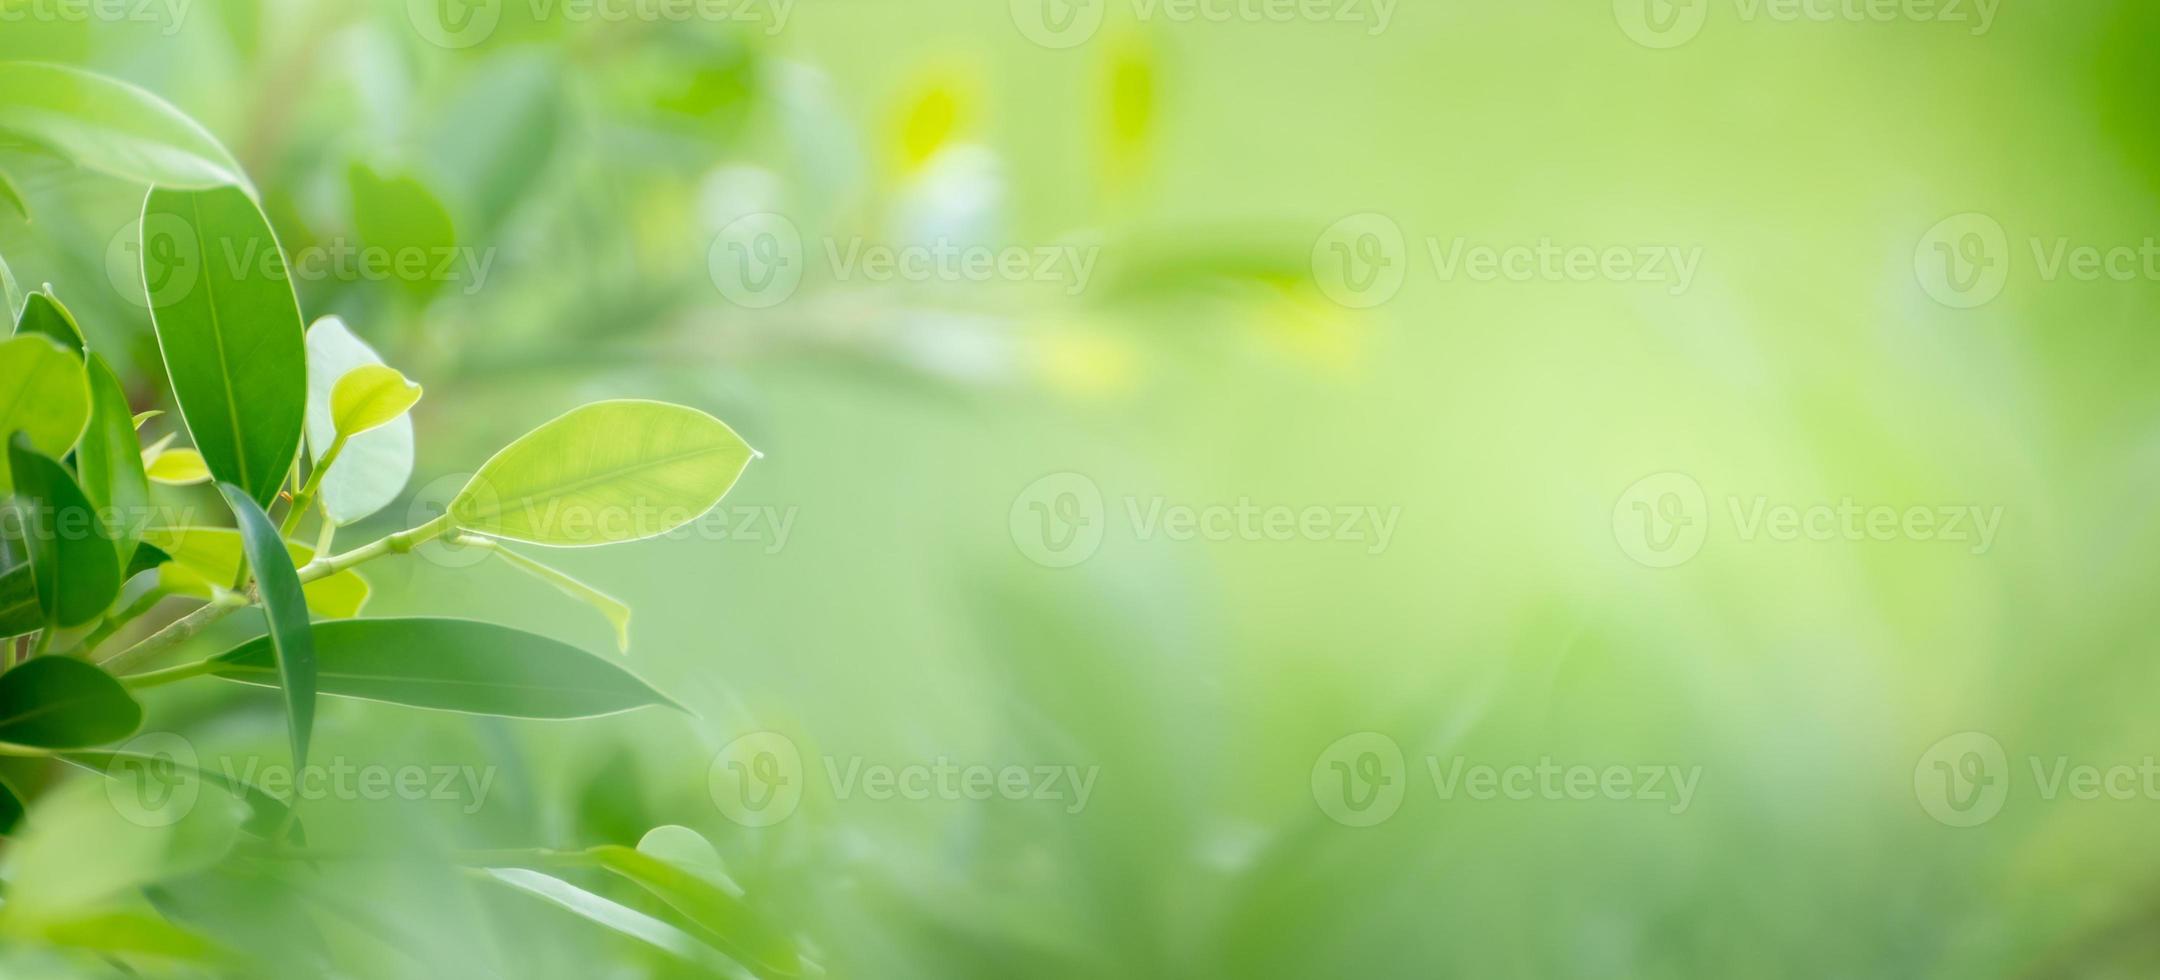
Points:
(903, 620)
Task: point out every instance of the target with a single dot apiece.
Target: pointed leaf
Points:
(76, 569)
(11, 295)
(64, 703)
(206, 559)
(44, 392)
(610, 608)
(111, 462)
(681, 868)
(607, 472)
(454, 665)
(11, 808)
(229, 326)
(370, 396)
(111, 127)
(614, 916)
(11, 196)
(43, 315)
(178, 468)
(291, 637)
(20, 611)
(141, 417)
(373, 468)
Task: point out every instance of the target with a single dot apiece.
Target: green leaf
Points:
(374, 465)
(20, 611)
(11, 808)
(370, 396)
(291, 638)
(607, 472)
(43, 315)
(44, 392)
(177, 468)
(204, 560)
(402, 217)
(130, 933)
(229, 326)
(146, 558)
(453, 665)
(619, 918)
(141, 417)
(110, 461)
(680, 867)
(111, 127)
(76, 568)
(64, 703)
(612, 609)
(11, 295)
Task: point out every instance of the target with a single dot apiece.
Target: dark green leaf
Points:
(453, 665)
(110, 461)
(229, 326)
(74, 564)
(285, 606)
(64, 703)
(146, 557)
(43, 315)
(11, 808)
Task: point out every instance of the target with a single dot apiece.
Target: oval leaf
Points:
(373, 467)
(291, 639)
(47, 396)
(43, 315)
(178, 468)
(111, 461)
(111, 127)
(228, 323)
(76, 569)
(64, 703)
(370, 396)
(453, 665)
(610, 471)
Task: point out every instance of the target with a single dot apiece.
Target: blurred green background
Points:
(883, 590)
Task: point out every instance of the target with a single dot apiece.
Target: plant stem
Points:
(306, 497)
(168, 675)
(184, 628)
(112, 624)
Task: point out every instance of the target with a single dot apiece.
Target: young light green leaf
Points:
(680, 867)
(374, 465)
(46, 394)
(111, 127)
(453, 665)
(619, 918)
(64, 703)
(370, 396)
(607, 472)
(177, 467)
(76, 569)
(43, 315)
(121, 932)
(206, 559)
(110, 461)
(141, 417)
(291, 637)
(228, 323)
(11, 295)
(400, 216)
(612, 609)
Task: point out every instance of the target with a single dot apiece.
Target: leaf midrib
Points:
(217, 336)
(595, 479)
